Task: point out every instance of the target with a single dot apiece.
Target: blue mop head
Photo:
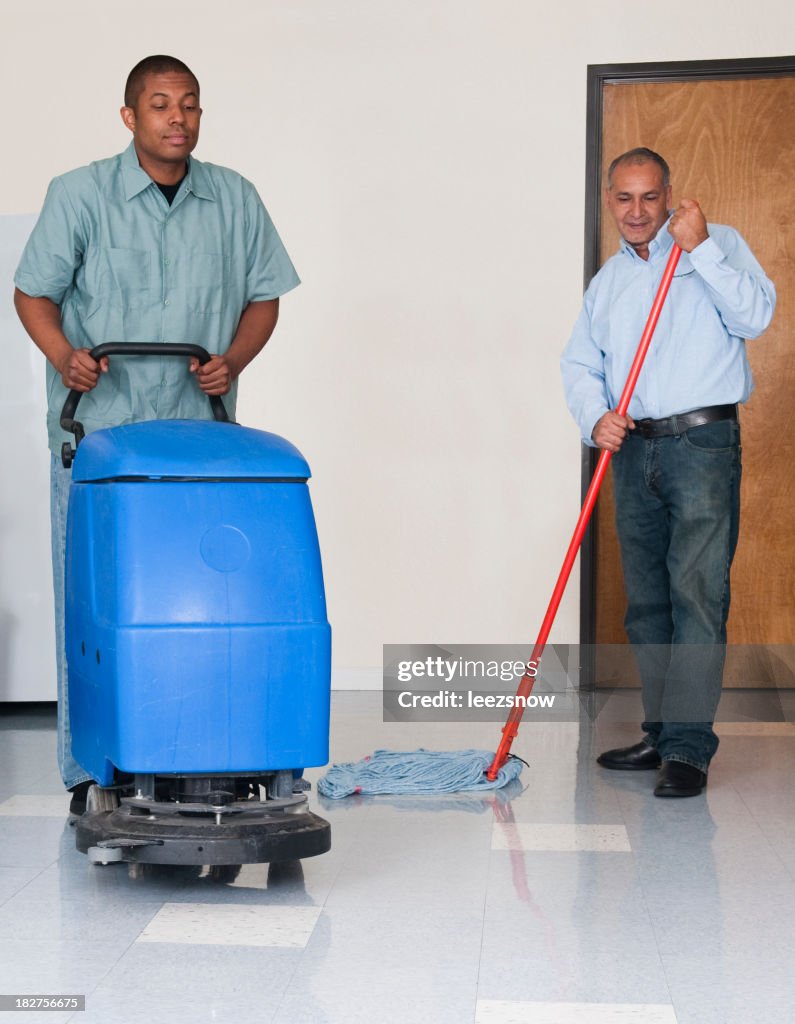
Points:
(416, 771)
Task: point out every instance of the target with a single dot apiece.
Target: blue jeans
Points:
(60, 480)
(678, 517)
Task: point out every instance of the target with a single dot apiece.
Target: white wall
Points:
(424, 164)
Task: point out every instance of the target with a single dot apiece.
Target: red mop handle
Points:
(511, 727)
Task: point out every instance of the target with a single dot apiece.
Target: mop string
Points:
(416, 771)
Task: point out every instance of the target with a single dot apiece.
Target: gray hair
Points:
(640, 155)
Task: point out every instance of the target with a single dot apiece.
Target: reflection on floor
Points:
(575, 896)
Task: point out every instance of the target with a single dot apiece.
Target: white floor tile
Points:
(499, 1011)
(232, 925)
(560, 838)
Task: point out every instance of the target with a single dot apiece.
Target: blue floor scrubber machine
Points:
(197, 641)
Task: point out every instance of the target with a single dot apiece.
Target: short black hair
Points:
(640, 155)
(158, 64)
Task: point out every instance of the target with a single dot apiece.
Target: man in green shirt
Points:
(147, 246)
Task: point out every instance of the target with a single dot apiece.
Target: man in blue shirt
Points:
(676, 467)
(147, 246)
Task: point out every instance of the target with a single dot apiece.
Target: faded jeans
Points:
(678, 516)
(60, 480)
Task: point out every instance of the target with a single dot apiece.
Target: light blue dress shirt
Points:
(123, 265)
(719, 297)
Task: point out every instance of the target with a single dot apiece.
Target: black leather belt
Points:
(671, 425)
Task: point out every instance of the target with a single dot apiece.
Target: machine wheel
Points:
(99, 800)
(99, 856)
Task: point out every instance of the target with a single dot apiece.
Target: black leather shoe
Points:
(639, 758)
(679, 779)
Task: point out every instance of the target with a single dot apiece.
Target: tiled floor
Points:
(574, 896)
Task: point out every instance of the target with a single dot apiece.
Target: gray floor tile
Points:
(162, 984)
(731, 989)
(714, 919)
(43, 965)
(28, 919)
(576, 975)
(31, 841)
(391, 964)
(13, 880)
(501, 1011)
(533, 905)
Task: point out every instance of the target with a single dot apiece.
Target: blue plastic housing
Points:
(196, 631)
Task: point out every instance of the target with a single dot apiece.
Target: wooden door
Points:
(731, 145)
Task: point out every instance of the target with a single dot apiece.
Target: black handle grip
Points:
(132, 348)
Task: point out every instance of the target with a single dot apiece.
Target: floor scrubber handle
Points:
(132, 348)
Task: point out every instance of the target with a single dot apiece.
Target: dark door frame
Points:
(600, 75)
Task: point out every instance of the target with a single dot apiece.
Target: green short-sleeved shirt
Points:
(123, 265)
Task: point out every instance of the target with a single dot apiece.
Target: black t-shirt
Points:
(170, 191)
